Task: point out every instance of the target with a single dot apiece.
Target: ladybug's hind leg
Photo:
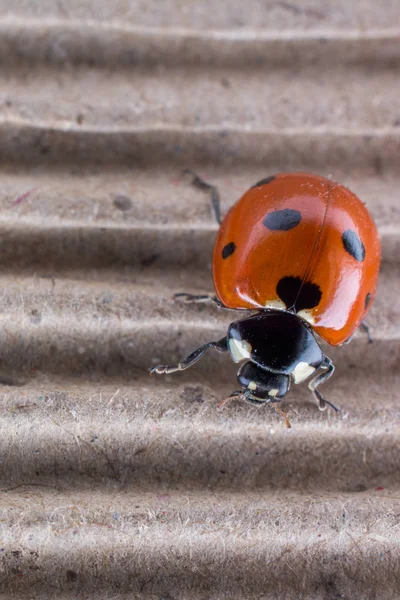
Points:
(185, 363)
(367, 330)
(200, 184)
(329, 369)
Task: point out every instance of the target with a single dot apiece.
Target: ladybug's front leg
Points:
(200, 184)
(185, 363)
(321, 378)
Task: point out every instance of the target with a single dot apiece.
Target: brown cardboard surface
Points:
(115, 485)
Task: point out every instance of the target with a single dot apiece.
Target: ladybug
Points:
(302, 252)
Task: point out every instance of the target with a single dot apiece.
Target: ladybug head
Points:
(279, 346)
(261, 386)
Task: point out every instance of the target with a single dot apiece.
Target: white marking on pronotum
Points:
(252, 386)
(239, 349)
(273, 393)
(302, 371)
(278, 304)
(307, 316)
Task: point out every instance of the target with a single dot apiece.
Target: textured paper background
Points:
(115, 485)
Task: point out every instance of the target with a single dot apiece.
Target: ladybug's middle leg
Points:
(329, 369)
(185, 363)
(200, 184)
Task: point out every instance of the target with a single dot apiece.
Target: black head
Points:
(262, 386)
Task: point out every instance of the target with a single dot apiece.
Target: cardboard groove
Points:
(60, 42)
(135, 457)
(179, 147)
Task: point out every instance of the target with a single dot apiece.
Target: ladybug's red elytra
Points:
(303, 253)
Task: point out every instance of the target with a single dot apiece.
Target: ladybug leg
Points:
(200, 184)
(349, 340)
(185, 363)
(199, 298)
(367, 330)
(329, 369)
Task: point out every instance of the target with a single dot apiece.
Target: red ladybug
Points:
(302, 252)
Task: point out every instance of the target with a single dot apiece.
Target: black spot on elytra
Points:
(353, 245)
(291, 291)
(282, 220)
(228, 250)
(367, 300)
(264, 181)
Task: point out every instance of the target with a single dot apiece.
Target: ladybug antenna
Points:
(229, 399)
(284, 415)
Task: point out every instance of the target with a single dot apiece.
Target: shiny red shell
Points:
(303, 243)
